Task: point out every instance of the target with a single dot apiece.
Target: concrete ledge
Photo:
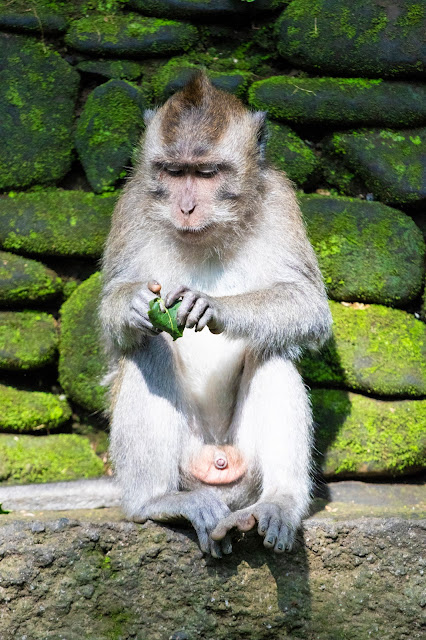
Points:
(92, 575)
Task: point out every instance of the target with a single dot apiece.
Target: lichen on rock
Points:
(28, 340)
(26, 411)
(287, 151)
(26, 282)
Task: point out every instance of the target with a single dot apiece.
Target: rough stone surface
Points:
(127, 69)
(287, 151)
(42, 16)
(218, 9)
(38, 90)
(107, 132)
(28, 411)
(374, 349)
(130, 34)
(24, 281)
(84, 576)
(358, 436)
(341, 101)
(64, 456)
(28, 340)
(56, 222)
(366, 250)
(352, 37)
(392, 164)
(82, 363)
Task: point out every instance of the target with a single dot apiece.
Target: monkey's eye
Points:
(207, 173)
(174, 171)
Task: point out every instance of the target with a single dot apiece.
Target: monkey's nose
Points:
(186, 211)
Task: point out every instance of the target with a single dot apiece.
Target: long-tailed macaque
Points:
(214, 428)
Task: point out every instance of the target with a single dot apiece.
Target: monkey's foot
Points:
(273, 525)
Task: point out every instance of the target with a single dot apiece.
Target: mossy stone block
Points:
(29, 459)
(25, 282)
(286, 151)
(176, 73)
(23, 411)
(392, 164)
(354, 37)
(340, 101)
(28, 340)
(82, 362)
(56, 222)
(359, 436)
(216, 9)
(108, 130)
(374, 349)
(38, 90)
(367, 251)
(42, 16)
(120, 69)
(130, 34)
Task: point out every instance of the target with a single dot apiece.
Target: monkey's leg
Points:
(149, 435)
(273, 429)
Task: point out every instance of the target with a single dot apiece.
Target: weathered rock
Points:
(347, 37)
(107, 132)
(56, 222)
(374, 349)
(39, 15)
(176, 73)
(38, 90)
(63, 456)
(30, 411)
(130, 35)
(334, 101)
(99, 577)
(366, 250)
(360, 436)
(121, 69)
(28, 340)
(286, 151)
(24, 281)
(392, 164)
(203, 8)
(82, 362)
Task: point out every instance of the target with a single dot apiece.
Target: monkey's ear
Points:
(259, 118)
(148, 115)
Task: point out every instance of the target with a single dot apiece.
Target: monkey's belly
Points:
(205, 466)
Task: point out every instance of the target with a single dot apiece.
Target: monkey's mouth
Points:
(194, 232)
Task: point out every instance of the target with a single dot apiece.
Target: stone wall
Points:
(343, 83)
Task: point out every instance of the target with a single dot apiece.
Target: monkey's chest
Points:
(210, 367)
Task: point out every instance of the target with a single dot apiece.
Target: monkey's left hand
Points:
(196, 310)
(273, 525)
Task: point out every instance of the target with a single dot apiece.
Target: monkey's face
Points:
(194, 199)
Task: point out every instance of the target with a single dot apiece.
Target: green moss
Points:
(340, 100)
(126, 69)
(56, 222)
(28, 340)
(390, 163)
(38, 90)
(130, 34)
(374, 349)
(107, 132)
(343, 37)
(82, 362)
(286, 151)
(24, 281)
(31, 410)
(359, 436)
(366, 250)
(26, 459)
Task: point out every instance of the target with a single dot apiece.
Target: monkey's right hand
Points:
(139, 306)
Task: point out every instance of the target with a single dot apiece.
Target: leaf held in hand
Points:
(165, 320)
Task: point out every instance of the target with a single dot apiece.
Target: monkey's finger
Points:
(283, 539)
(272, 534)
(196, 313)
(174, 295)
(226, 545)
(263, 524)
(188, 301)
(204, 320)
(154, 286)
(215, 549)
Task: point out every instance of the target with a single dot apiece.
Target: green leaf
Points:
(165, 320)
(3, 511)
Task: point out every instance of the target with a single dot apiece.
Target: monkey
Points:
(214, 428)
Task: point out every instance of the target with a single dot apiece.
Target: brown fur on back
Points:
(207, 109)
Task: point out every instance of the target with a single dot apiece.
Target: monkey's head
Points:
(202, 160)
